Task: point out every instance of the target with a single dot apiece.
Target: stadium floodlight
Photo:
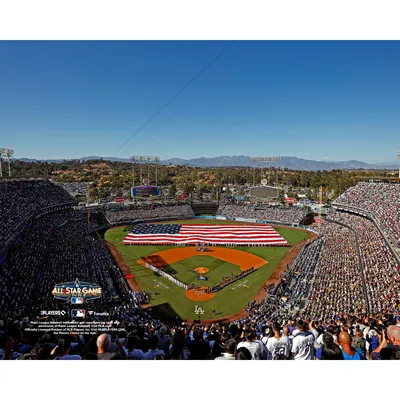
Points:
(269, 160)
(141, 160)
(2, 152)
(8, 154)
(145, 159)
(398, 156)
(266, 159)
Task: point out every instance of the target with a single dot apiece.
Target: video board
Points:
(146, 191)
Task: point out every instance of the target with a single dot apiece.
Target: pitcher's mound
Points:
(201, 270)
(199, 294)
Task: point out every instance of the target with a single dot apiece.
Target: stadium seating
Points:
(380, 199)
(273, 213)
(338, 296)
(19, 199)
(149, 213)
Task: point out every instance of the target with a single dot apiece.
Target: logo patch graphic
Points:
(76, 300)
(78, 313)
(77, 292)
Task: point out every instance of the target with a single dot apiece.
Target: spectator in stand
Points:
(358, 342)
(154, 351)
(198, 347)
(329, 350)
(348, 351)
(103, 342)
(133, 353)
(390, 340)
(250, 344)
(303, 343)
(165, 340)
(62, 350)
(278, 345)
(178, 349)
(230, 349)
(243, 353)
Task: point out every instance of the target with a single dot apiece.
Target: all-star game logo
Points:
(76, 292)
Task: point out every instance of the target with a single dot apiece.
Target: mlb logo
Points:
(77, 300)
(78, 313)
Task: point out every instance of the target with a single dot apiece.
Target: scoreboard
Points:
(146, 191)
(264, 192)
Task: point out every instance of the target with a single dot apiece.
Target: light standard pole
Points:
(7, 154)
(133, 175)
(398, 156)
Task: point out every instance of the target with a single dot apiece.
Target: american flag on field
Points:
(204, 234)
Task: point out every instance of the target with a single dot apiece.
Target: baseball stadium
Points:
(192, 254)
(160, 271)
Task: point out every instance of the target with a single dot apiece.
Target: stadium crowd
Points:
(381, 199)
(149, 212)
(300, 275)
(19, 199)
(380, 267)
(338, 284)
(141, 335)
(270, 213)
(340, 298)
(74, 188)
(55, 249)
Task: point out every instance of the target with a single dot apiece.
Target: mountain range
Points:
(293, 163)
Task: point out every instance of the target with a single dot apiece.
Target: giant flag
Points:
(204, 234)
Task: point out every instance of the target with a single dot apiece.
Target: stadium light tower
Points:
(398, 156)
(141, 160)
(8, 154)
(1, 170)
(269, 160)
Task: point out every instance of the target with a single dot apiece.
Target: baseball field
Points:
(187, 264)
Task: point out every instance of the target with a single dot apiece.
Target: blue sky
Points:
(318, 100)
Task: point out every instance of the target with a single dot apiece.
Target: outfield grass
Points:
(226, 301)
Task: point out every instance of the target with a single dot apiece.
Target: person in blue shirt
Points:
(349, 352)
